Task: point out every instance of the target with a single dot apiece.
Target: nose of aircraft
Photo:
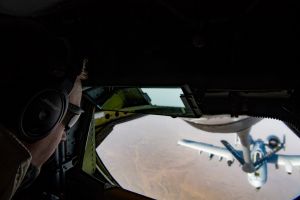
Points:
(256, 183)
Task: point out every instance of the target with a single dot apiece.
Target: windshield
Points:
(160, 101)
(164, 96)
(145, 156)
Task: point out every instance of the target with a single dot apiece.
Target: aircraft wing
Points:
(208, 148)
(288, 161)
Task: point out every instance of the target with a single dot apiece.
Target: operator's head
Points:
(37, 80)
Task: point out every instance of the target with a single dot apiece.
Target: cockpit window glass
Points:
(171, 158)
(165, 96)
(169, 101)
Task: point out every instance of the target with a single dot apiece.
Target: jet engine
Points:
(273, 141)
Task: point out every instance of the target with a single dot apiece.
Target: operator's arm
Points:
(14, 162)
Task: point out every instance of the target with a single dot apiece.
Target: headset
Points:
(48, 107)
(42, 113)
(45, 110)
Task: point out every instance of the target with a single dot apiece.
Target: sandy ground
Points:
(143, 156)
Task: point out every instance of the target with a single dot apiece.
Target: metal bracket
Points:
(68, 165)
(189, 101)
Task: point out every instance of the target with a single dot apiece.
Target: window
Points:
(143, 156)
(165, 96)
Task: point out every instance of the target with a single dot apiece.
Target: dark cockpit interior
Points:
(226, 57)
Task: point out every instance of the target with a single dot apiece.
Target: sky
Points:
(143, 156)
(165, 96)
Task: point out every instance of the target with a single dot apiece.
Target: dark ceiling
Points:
(212, 43)
(208, 45)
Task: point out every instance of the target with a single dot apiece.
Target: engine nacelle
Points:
(273, 141)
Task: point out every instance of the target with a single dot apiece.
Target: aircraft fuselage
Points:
(259, 177)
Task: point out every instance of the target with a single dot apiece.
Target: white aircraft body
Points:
(254, 155)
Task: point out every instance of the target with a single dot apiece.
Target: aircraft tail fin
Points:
(234, 152)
